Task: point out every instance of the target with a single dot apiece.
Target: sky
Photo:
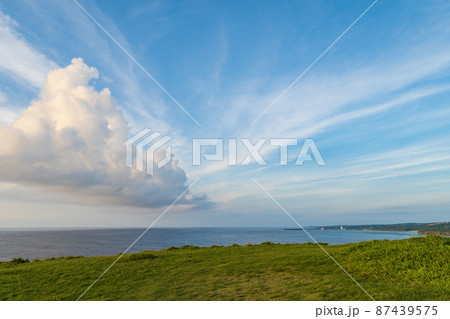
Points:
(375, 103)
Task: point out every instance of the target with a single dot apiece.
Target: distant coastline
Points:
(434, 228)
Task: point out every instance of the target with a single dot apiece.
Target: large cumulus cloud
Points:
(71, 139)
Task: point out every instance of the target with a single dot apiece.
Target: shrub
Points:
(139, 256)
(19, 261)
(189, 247)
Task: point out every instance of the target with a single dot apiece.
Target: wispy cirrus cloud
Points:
(19, 58)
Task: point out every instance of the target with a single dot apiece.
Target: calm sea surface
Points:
(42, 243)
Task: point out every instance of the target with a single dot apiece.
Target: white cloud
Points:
(72, 140)
(7, 116)
(18, 58)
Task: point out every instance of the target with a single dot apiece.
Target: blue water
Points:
(41, 244)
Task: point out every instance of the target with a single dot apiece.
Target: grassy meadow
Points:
(409, 269)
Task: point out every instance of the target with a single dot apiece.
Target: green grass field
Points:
(410, 269)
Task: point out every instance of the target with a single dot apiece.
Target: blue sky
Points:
(376, 104)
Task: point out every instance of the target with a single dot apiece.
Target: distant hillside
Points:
(437, 228)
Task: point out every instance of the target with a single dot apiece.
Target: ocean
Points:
(47, 243)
